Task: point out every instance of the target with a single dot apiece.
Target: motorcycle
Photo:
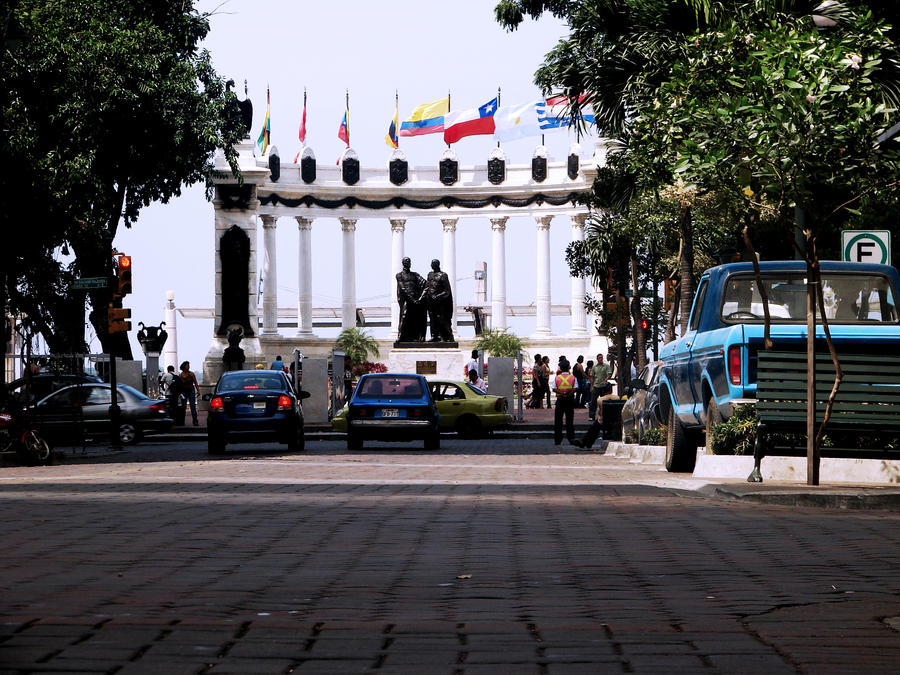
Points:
(18, 436)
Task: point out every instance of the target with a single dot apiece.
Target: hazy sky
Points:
(419, 49)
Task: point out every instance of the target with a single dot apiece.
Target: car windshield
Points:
(134, 392)
(849, 298)
(392, 386)
(260, 380)
(478, 391)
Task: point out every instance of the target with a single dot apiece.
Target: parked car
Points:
(82, 411)
(392, 407)
(250, 406)
(27, 390)
(641, 410)
(466, 410)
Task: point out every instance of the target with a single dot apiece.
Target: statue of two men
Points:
(418, 298)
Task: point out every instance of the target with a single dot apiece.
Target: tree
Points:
(499, 343)
(108, 106)
(356, 345)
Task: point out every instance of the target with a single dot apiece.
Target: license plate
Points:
(259, 405)
(390, 412)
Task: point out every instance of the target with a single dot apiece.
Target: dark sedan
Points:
(31, 388)
(392, 407)
(255, 405)
(81, 411)
(641, 411)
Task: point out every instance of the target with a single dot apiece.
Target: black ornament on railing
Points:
(398, 168)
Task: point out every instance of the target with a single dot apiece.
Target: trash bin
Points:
(612, 419)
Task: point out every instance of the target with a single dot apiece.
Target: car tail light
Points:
(416, 412)
(359, 412)
(216, 404)
(284, 402)
(498, 404)
(734, 364)
(159, 407)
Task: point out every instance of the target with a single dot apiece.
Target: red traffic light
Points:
(123, 275)
(645, 324)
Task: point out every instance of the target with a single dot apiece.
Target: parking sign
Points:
(871, 246)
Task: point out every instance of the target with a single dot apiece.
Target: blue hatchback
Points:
(392, 407)
(255, 405)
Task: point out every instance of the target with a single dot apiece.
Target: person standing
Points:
(189, 388)
(165, 381)
(599, 385)
(564, 385)
(546, 373)
(537, 386)
(578, 372)
(277, 364)
(472, 364)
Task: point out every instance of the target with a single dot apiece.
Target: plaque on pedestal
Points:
(442, 360)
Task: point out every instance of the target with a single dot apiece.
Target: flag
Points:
(302, 133)
(516, 121)
(553, 113)
(265, 136)
(473, 122)
(391, 138)
(427, 118)
(344, 130)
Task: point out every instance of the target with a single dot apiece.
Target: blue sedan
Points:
(255, 405)
(392, 407)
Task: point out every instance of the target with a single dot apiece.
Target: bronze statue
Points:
(410, 297)
(439, 300)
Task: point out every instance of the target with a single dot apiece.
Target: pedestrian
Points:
(546, 374)
(600, 386)
(190, 389)
(477, 382)
(564, 385)
(472, 364)
(175, 397)
(578, 372)
(537, 388)
(277, 364)
(165, 381)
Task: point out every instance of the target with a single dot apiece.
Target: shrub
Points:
(737, 434)
(654, 436)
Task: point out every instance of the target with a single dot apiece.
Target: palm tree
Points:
(356, 345)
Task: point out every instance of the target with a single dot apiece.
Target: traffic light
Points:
(645, 324)
(123, 275)
(118, 319)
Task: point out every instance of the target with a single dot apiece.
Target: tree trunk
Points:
(640, 337)
(687, 265)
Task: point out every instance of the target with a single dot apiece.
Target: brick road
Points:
(499, 557)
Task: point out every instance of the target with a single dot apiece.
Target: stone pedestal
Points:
(430, 361)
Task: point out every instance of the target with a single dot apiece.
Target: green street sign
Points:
(871, 246)
(90, 282)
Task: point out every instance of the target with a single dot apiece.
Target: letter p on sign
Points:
(868, 246)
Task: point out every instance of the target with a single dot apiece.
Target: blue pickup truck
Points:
(711, 369)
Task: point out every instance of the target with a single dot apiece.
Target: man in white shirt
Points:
(476, 381)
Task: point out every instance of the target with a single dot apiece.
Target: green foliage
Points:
(356, 344)
(654, 436)
(737, 434)
(499, 343)
(107, 107)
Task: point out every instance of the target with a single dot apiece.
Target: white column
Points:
(348, 273)
(542, 294)
(398, 230)
(270, 277)
(170, 350)
(304, 295)
(579, 316)
(448, 264)
(498, 273)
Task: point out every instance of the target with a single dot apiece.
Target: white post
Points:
(270, 277)
(398, 229)
(542, 296)
(170, 350)
(348, 273)
(579, 316)
(304, 296)
(498, 278)
(449, 264)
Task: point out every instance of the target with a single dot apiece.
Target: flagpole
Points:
(448, 110)
(347, 104)
(397, 116)
(498, 108)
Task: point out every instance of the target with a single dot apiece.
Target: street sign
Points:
(871, 246)
(90, 282)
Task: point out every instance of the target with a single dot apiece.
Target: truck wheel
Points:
(713, 417)
(681, 450)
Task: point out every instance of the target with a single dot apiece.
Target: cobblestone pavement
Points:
(493, 557)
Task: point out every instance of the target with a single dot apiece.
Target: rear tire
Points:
(713, 417)
(129, 434)
(468, 426)
(433, 441)
(681, 452)
(215, 444)
(34, 450)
